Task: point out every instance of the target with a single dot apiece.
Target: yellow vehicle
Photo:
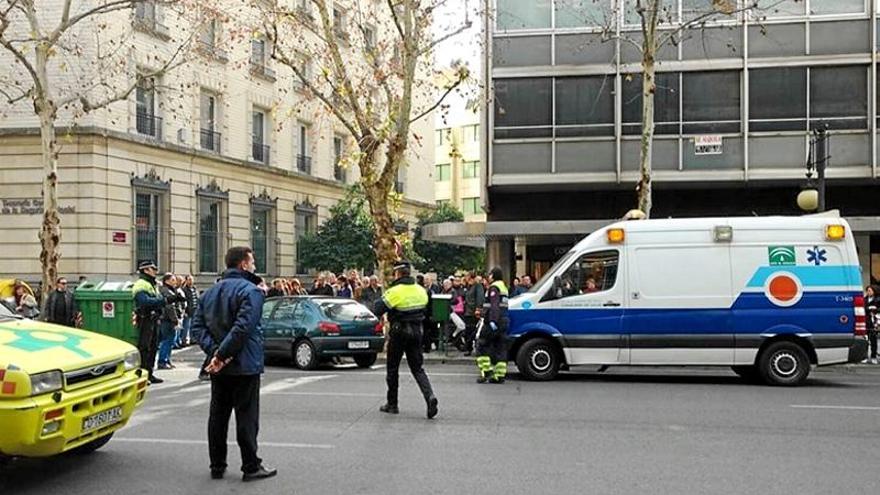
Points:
(63, 389)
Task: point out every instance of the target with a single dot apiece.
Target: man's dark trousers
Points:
(148, 342)
(406, 338)
(240, 393)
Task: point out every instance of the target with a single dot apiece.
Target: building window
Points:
(146, 120)
(259, 150)
(259, 64)
(261, 235)
(666, 103)
(710, 102)
(836, 6)
(585, 106)
(470, 170)
(148, 19)
(340, 23)
(440, 136)
(523, 108)
(778, 99)
(305, 67)
(522, 14)
(306, 223)
(782, 8)
(581, 13)
(474, 133)
(303, 160)
(147, 221)
(209, 234)
(442, 172)
(209, 138)
(208, 34)
(369, 38)
(400, 183)
(839, 97)
(470, 206)
(338, 169)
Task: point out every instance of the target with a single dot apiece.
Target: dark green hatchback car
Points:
(309, 330)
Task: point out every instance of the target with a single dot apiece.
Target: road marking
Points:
(845, 408)
(288, 383)
(177, 441)
(326, 394)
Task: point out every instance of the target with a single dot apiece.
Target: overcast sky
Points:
(465, 46)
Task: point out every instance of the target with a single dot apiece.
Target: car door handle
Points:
(611, 304)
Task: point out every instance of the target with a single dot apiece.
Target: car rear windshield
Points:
(345, 310)
(5, 312)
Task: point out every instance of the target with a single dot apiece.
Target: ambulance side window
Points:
(591, 272)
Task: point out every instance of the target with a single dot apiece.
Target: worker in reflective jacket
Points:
(406, 304)
(491, 352)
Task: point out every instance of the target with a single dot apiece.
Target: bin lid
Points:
(105, 286)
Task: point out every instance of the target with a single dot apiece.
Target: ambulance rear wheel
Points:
(538, 360)
(92, 446)
(784, 364)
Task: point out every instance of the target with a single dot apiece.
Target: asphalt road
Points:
(663, 431)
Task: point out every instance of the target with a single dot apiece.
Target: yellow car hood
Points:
(34, 347)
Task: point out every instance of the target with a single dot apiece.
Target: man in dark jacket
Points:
(406, 304)
(228, 323)
(61, 308)
(474, 298)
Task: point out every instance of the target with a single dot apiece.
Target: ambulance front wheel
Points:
(538, 360)
(92, 446)
(784, 363)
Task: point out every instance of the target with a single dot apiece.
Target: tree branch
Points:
(433, 107)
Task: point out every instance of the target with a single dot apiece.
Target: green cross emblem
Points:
(29, 340)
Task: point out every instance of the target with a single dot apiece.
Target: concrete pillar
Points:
(863, 246)
(521, 252)
(500, 253)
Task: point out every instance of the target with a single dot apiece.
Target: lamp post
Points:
(812, 197)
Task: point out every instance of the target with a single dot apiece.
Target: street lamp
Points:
(812, 196)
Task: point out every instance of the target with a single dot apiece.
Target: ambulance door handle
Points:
(611, 304)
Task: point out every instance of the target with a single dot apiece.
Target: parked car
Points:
(310, 329)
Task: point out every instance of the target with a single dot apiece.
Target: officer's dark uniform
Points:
(491, 352)
(148, 304)
(406, 304)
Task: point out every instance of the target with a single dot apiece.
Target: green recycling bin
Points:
(107, 308)
(440, 307)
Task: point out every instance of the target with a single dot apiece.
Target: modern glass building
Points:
(736, 98)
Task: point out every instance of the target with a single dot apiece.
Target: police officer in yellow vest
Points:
(148, 304)
(406, 304)
(491, 352)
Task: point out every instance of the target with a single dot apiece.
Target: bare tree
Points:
(369, 63)
(71, 58)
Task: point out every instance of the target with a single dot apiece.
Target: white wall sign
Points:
(707, 145)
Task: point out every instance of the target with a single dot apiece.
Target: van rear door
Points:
(678, 308)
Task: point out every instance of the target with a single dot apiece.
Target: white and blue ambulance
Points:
(767, 296)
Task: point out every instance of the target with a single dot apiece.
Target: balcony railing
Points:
(260, 153)
(260, 69)
(209, 49)
(209, 140)
(304, 164)
(149, 125)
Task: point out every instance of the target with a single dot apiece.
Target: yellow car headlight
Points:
(132, 360)
(43, 383)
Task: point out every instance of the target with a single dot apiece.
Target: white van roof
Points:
(817, 221)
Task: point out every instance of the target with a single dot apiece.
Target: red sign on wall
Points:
(120, 237)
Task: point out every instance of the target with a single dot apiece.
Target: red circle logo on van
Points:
(783, 289)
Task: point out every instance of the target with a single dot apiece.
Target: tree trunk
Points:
(649, 86)
(50, 232)
(386, 253)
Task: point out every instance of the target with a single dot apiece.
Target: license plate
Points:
(103, 418)
(359, 344)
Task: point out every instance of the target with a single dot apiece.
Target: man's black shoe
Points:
(262, 473)
(204, 377)
(217, 474)
(432, 407)
(496, 380)
(156, 380)
(482, 379)
(388, 408)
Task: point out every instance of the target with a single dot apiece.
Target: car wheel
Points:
(747, 373)
(784, 363)
(92, 446)
(538, 360)
(304, 355)
(365, 360)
